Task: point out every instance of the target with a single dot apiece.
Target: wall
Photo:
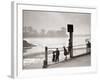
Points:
(5, 38)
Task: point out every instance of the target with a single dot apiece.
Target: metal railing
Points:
(76, 47)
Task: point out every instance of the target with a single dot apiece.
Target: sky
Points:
(55, 20)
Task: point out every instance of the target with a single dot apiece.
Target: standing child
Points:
(53, 57)
(57, 55)
(65, 53)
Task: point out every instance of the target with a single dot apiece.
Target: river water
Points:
(39, 49)
(53, 43)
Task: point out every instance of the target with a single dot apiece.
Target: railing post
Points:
(71, 41)
(45, 62)
(70, 30)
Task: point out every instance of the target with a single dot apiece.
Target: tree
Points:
(42, 33)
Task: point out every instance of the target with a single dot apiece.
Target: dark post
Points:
(46, 54)
(45, 63)
(71, 41)
(70, 30)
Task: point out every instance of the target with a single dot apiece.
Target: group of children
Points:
(56, 54)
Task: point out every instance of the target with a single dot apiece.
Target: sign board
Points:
(70, 27)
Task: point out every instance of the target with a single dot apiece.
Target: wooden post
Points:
(71, 41)
(45, 62)
(70, 30)
(46, 55)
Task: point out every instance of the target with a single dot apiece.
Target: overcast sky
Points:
(55, 20)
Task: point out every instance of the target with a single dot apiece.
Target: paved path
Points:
(75, 62)
(84, 60)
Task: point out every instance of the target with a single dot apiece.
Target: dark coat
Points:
(54, 57)
(65, 52)
(57, 53)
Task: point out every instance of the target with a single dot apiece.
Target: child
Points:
(54, 57)
(65, 53)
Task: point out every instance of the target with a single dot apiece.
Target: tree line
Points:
(30, 32)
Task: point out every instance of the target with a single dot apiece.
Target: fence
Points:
(78, 50)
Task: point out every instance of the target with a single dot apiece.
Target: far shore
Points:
(32, 55)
